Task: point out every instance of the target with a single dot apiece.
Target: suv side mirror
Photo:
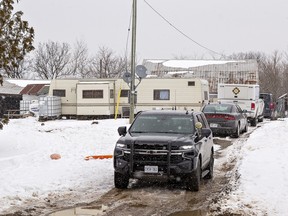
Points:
(122, 130)
(198, 125)
(206, 132)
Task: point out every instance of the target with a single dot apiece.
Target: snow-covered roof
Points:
(189, 63)
(93, 82)
(10, 89)
(24, 83)
(15, 86)
(179, 72)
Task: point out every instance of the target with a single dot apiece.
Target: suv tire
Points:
(193, 183)
(121, 181)
(210, 167)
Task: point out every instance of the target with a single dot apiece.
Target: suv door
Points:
(207, 142)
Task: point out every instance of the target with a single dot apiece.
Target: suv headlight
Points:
(189, 151)
(121, 145)
(186, 147)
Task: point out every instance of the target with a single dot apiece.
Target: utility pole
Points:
(133, 62)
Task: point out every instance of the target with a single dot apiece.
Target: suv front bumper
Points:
(166, 169)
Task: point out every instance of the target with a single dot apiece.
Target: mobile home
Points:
(101, 97)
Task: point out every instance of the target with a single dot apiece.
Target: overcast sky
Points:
(224, 26)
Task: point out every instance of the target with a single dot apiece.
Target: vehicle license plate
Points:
(213, 125)
(151, 169)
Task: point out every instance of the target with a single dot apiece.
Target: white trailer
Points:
(246, 96)
(107, 97)
(95, 98)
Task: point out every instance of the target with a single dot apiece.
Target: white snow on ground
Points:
(263, 182)
(28, 173)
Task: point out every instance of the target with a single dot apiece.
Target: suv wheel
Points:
(121, 180)
(210, 167)
(193, 183)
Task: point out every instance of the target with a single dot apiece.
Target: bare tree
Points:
(79, 64)
(271, 74)
(248, 55)
(268, 68)
(51, 60)
(107, 65)
(285, 73)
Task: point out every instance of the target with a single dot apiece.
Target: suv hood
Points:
(158, 138)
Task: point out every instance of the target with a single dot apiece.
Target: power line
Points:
(127, 40)
(181, 32)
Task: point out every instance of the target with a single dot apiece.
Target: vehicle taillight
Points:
(252, 106)
(223, 116)
(229, 117)
(208, 116)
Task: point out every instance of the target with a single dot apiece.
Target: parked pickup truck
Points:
(247, 96)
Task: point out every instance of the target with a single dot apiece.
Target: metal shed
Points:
(215, 71)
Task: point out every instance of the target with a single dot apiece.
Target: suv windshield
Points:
(163, 124)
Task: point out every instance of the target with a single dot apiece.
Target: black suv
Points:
(165, 144)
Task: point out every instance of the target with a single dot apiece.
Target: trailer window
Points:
(92, 94)
(111, 93)
(59, 92)
(163, 94)
(205, 95)
(191, 83)
(124, 93)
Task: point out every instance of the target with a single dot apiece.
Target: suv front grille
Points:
(157, 158)
(153, 146)
(155, 154)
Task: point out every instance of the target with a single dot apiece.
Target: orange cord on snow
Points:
(98, 157)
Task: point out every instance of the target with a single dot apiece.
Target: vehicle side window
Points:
(239, 109)
(202, 119)
(206, 125)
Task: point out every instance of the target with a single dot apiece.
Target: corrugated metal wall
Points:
(244, 72)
